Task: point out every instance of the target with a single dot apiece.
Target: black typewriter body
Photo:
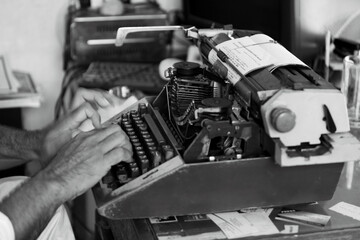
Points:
(197, 149)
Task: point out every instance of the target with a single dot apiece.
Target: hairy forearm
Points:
(20, 144)
(31, 206)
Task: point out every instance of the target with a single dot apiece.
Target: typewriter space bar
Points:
(154, 129)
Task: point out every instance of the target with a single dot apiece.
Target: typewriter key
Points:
(140, 152)
(136, 118)
(156, 158)
(124, 117)
(122, 174)
(130, 132)
(139, 148)
(134, 140)
(134, 170)
(138, 122)
(142, 109)
(144, 132)
(145, 165)
(150, 144)
(146, 136)
(142, 127)
(108, 178)
(131, 137)
(168, 152)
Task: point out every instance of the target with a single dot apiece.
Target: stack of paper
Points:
(16, 88)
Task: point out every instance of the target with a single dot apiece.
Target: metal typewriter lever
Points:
(190, 32)
(124, 31)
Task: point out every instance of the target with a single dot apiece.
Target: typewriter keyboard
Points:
(139, 76)
(150, 148)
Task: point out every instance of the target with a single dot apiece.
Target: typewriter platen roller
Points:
(218, 139)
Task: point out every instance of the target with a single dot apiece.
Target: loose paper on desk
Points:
(236, 225)
(268, 211)
(290, 229)
(347, 209)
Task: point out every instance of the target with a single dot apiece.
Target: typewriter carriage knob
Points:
(282, 119)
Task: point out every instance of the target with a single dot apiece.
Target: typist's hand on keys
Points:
(86, 158)
(106, 104)
(85, 109)
(62, 131)
(75, 161)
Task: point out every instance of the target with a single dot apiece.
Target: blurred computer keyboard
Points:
(137, 76)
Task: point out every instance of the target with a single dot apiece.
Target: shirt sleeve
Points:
(6, 228)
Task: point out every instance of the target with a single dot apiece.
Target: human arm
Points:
(78, 166)
(19, 146)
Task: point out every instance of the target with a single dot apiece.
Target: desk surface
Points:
(339, 226)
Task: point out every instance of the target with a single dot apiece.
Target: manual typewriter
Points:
(252, 127)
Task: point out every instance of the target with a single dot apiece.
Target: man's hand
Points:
(86, 158)
(62, 131)
(84, 108)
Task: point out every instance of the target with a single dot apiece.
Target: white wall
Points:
(32, 35)
(314, 18)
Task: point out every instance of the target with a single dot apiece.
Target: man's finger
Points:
(104, 99)
(101, 134)
(100, 97)
(75, 132)
(84, 112)
(118, 155)
(116, 139)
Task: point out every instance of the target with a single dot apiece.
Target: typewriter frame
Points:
(179, 188)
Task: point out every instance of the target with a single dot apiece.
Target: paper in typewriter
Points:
(280, 55)
(250, 53)
(245, 54)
